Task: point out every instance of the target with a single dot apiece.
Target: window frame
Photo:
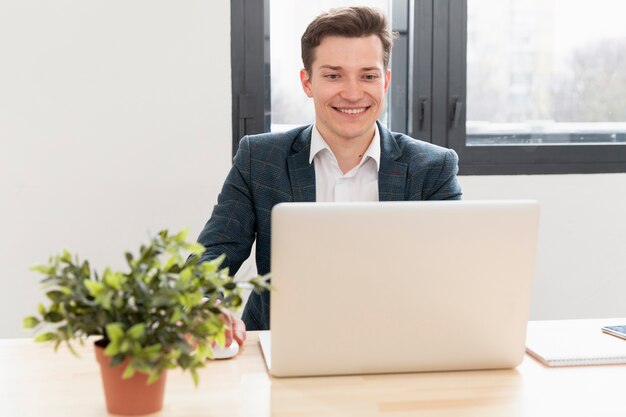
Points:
(250, 68)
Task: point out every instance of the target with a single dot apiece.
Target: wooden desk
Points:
(37, 382)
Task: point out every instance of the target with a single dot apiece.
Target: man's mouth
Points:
(354, 110)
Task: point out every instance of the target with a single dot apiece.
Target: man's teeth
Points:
(352, 111)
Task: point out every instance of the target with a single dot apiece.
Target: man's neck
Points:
(349, 152)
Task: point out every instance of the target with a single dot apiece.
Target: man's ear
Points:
(387, 79)
(306, 82)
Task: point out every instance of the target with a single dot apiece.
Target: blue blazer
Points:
(272, 168)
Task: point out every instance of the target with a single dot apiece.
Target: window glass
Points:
(546, 72)
(288, 20)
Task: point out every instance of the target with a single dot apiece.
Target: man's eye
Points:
(332, 76)
(371, 77)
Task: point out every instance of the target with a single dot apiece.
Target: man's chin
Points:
(353, 132)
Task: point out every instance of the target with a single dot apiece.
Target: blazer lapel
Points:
(301, 173)
(391, 174)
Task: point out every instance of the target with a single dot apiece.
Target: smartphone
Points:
(619, 331)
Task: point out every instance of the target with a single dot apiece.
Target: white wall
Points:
(581, 261)
(115, 122)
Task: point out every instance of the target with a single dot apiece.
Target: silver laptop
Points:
(399, 286)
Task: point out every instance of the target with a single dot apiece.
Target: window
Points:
(514, 86)
(546, 86)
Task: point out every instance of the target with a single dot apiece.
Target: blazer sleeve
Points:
(445, 185)
(231, 228)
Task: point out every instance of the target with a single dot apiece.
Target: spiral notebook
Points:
(575, 342)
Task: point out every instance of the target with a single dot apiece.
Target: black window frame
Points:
(250, 68)
(428, 91)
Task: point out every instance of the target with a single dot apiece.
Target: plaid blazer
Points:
(272, 168)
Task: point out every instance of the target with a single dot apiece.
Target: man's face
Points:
(348, 84)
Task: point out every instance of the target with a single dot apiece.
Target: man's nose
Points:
(352, 91)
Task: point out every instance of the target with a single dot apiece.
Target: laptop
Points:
(389, 287)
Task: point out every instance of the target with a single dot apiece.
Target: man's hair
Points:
(349, 22)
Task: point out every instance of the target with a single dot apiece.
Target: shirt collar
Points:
(318, 144)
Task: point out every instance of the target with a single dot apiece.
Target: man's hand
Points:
(235, 328)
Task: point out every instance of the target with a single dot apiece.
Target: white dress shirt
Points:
(358, 184)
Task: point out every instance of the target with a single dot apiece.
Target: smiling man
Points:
(345, 156)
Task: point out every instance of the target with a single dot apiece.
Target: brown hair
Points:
(350, 22)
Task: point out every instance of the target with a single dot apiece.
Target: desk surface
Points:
(35, 381)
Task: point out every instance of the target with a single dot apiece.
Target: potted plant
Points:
(164, 313)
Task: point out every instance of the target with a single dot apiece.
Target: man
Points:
(345, 156)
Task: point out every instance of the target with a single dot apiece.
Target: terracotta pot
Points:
(131, 396)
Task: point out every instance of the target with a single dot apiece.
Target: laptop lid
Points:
(400, 286)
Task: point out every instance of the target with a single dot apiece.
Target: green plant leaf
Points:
(176, 315)
(66, 257)
(184, 361)
(55, 295)
(129, 371)
(45, 337)
(115, 332)
(114, 280)
(185, 275)
(213, 309)
(30, 322)
(125, 346)
(172, 262)
(182, 235)
(261, 283)
(95, 288)
(174, 354)
(233, 301)
(71, 348)
(112, 349)
(196, 249)
(220, 338)
(116, 359)
(194, 375)
(52, 317)
(62, 333)
(65, 290)
(192, 261)
(118, 303)
(136, 331)
(204, 350)
(152, 352)
(44, 269)
(162, 300)
(85, 271)
(183, 299)
(218, 261)
(154, 376)
(207, 268)
(105, 300)
(194, 298)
